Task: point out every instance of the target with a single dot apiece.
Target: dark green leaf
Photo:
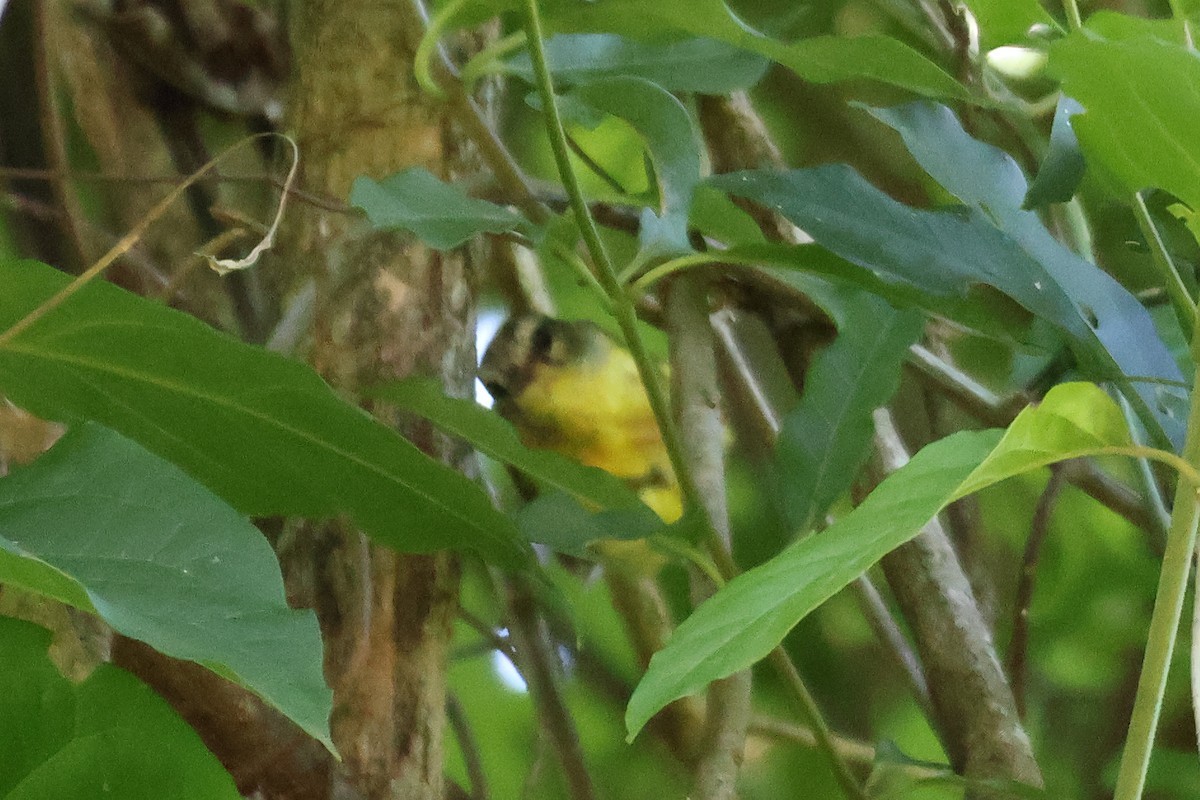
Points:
(992, 242)
(1112, 332)
(1140, 122)
(558, 520)
(687, 65)
(490, 433)
(672, 142)
(110, 736)
(827, 437)
(747, 618)
(821, 59)
(162, 559)
(1063, 167)
(438, 213)
(263, 432)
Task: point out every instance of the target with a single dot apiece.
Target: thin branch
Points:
(539, 666)
(889, 634)
(974, 709)
(469, 748)
(697, 397)
(53, 136)
(1038, 529)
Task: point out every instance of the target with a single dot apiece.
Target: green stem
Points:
(487, 59)
(427, 48)
(1074, 20)
(812, 715)
(1164, 622)
(622, 307)
(1181, 300)
(626, 317)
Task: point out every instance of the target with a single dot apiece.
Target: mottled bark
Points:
(385, 307)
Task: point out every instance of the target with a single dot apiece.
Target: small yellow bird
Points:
(566, 386)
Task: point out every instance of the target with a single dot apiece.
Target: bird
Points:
(567, 386)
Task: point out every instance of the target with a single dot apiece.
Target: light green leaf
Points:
(438, 213)
(747, 618)
(1004, 22)
(110, 736)
(263, 432)
(163, 560)
(698, 65)
(1073, 419)
(1140, 117)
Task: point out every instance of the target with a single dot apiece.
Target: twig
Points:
(53, 136)
(974, 709)
(538, 667)
(1038, 529)
(889, 634)
(697, 397)
(468, 747)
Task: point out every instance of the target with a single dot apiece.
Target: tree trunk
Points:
(384, 308)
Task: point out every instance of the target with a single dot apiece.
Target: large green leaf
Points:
(699, 65)
(438, 213)
(747, 618)
(1140, 118)
(821, 59)
(262, 431)
(110, 736)
(1113, 332)
(826, 438)
(674, 147)
(991, 242)
(112, 528)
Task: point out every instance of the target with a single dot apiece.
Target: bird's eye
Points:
(496, 390)
(542, 339)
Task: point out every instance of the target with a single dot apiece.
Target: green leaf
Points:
(263, 432)
(1004, 22)
(163, 560)
(491, 434)
(1139, 122)
(439, 214)
(558, 520)
(822, 59)
(1063, 167)
(672, 142)
(748, 617)
(992, 242)
(1113, 333)
(110, 736)
(698, 65)
(1073, 419)
(826, 438)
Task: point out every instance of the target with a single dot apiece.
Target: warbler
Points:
(566, 386)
